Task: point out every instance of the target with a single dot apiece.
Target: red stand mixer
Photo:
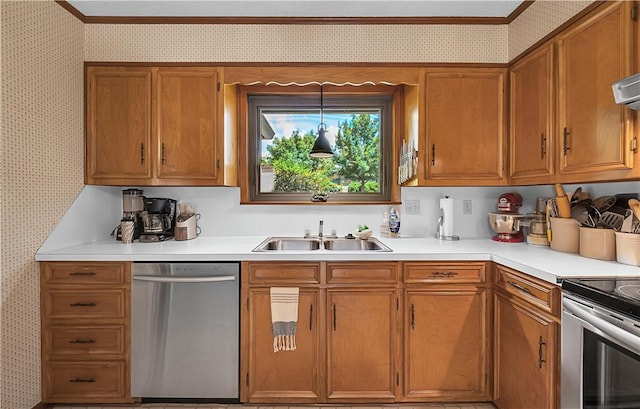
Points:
(506, 223)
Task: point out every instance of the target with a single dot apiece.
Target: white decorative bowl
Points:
(364, 234)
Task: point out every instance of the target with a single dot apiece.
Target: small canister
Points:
(126, 231)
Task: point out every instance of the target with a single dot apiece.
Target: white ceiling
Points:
(295, 8)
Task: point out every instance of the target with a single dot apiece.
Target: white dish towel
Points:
(284, 317)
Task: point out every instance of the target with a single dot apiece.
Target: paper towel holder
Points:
(440, 230)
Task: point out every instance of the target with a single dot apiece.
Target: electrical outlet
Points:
(466, 207)
(412, 206)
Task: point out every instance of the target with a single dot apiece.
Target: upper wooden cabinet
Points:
(187, 103)
(118, 125)
(596, 135)
(155, 126)
(464, 136)
(531, 132)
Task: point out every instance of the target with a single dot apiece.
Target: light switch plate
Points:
(466, 207)
(412, 206)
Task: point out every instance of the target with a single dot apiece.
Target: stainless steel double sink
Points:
(314, 244)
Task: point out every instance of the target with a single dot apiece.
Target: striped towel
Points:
(284, 317)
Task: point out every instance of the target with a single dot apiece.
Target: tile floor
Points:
(219, 406)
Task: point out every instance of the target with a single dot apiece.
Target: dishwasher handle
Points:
(164, 279)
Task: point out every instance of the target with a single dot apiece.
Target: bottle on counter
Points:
(394, 222)
(384, 226)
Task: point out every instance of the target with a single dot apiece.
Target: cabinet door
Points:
(446, 344)
(465, 125)
(284, 376)
(118, 125)
(187, 125)
(360, 344)
(531, 113)
(593, 54)
(525, 374)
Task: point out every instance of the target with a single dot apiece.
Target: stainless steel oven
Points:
(600, 353)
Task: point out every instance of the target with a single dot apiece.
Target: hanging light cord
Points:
(321, 105)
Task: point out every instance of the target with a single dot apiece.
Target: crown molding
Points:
(297, 20)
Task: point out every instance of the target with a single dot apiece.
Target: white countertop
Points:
(541, 262)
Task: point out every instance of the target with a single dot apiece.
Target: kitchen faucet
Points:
(320, 228)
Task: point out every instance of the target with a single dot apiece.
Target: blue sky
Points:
(285, 124)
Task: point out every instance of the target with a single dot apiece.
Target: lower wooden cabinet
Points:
(446, 332)
(85, 332)
(526, 342)
(361, 344)
(291, 376)
(345, 338)
(446, 345)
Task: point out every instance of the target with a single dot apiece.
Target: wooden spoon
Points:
(634, 205)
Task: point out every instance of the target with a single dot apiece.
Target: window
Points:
(283, 125)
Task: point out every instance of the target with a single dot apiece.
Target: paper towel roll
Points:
(446, 210)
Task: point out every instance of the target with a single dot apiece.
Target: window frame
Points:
(391, 128)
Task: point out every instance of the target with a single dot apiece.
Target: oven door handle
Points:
(625, 338)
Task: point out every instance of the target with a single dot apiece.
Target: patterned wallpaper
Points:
(539, 19)
(297, 43)
(42, 171)
(43, 48)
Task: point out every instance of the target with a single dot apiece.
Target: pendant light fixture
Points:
(321, 147)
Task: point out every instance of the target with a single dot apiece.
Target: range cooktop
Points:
(619, 294)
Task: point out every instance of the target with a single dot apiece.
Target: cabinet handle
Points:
(565, 135)
(433, 154)
(82, 273)
(334, 316)
(444, 273)
(540, 360)
(543, 146)
(83, 304)
(142, 153)
(310, 316)
(81, 380)
(83, 341)
(162, 154)
(413, 317)
(519, 287)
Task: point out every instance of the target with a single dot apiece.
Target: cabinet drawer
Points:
(459, 272)
(362, 273)
(84, 273)
(299, 273)
(85, 381)
(85, 340)
(544, 295)
(85, 304)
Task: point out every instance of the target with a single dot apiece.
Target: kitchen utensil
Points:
(559, 190)
(562, 202)
(627, 224)
(541, 205)
(604, 203)
(576, 195)
(634, 205)
(611, 220)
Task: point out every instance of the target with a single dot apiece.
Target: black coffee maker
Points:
(158, 219)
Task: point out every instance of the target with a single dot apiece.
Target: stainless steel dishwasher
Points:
(185, 330)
